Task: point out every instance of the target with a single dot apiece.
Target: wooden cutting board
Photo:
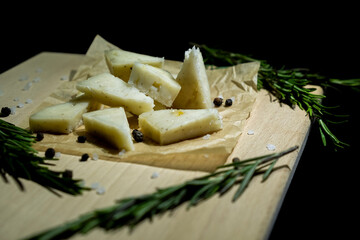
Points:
(251, 217)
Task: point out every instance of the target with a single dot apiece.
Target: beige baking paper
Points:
(202, 153)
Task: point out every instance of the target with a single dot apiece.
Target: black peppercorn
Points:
(218, 101)
(5, 111)
(81, 139)
(84, 157)
(39, 136)
(50, 153)
(228, 102)
(138, 135)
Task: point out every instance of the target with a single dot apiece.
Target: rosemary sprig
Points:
(133, 210)
(290, 86)
(19, 160)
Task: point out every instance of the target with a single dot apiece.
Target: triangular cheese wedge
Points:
(120, 62)
(169, 126)
(155, 82)
(195, 90)
(63, 117)
(113, 91)
(111, 125)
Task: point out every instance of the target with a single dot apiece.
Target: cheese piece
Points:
(113, 91)
(120, 62)
(155, 82)
(62, 118)
(195, 90)
(169, 126)
(111, 125)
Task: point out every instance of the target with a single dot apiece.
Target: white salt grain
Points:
(95, 185)
(95, 157)
(57, 154)
(122, 152)
(27, 86)
(206, 137)
(63, 78)
(154, 175)
(37, 79)
(16, 99)
(250, 132)
(271, 147)
(20, 105)
(28, 101)
(100, 190)
(12, 110)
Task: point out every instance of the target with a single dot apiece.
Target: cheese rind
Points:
(120, 62)
(169, 126)
(155, 82)
(195, 89)
(114, 92)
(111, 125)
(63, 117)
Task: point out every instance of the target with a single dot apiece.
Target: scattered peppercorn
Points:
(50, 153)
(84, 157)
(235, 160)
(218, 101)
(228, 102)
(39, 136)
(81, 139)
(5, 111)
(138, 135)
(67, 174)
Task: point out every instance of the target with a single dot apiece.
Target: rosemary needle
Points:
(290, 86)
(19, 160)
(128, 212)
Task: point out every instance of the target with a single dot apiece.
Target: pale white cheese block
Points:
(155, 82)
(195, 89)
(111, 125)
(120, 62)
(169, 126)
(114, 92)
(63, 117)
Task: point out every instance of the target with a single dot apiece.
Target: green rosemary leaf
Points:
(19, 160)
(268, 171)
(131, 211)
(245, 182)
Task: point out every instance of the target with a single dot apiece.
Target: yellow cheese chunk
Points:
(62, 118)
(195, 90)
(113, 91)
(169, 126)
(120, 62)
(111, 125)
(155, 82)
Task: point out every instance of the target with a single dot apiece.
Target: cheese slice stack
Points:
(62, 118)
(169, 126)
(120, 62)
(195, 90)
(155, 82)
(111, 125)
(114, 92)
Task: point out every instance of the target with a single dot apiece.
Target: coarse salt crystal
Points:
(95, 156)
(95, 185)
(154, 175)
(271, 147)
(206, 137)
(250, 132)
(16, 99)
(63, 78)
(27, 86)
(12, 110)
(57, 154)
(28, 101)
(37, 79)
(122, 152)
(100, 190)
(20, 105)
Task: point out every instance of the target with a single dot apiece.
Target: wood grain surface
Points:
(251, 217)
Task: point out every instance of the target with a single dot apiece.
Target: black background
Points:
(322, 199)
